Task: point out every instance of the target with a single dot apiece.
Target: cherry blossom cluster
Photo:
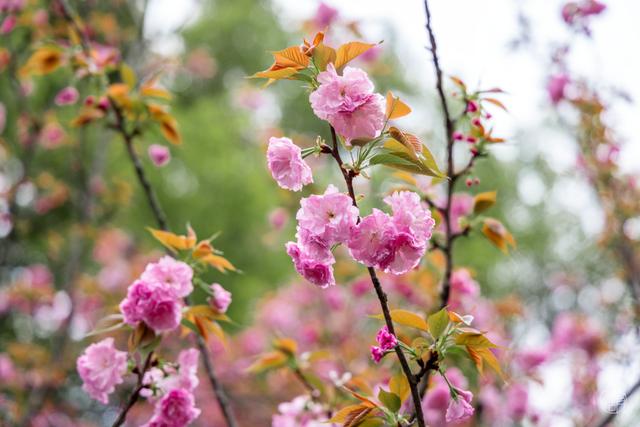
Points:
(171, 387)
(393, 243)
(156, 297)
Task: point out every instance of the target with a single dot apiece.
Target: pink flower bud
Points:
(103, 103)
(67, 96)
(386, 339)
(377, 354)
(221, 298)
(472, 107)
(159, 154)
(469, 182)
(8, 24)
(458, 136)
(89, 101)
(476, 122)
(471, 139)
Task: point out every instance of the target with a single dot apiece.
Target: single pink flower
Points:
(371, 241)
(175, 276)
(348, 103)
(410, 215)
(556, 87)
(463, 289)
(517, 401)
(278, 218)
(159, 154)
(286, 164)
(8, 24)
(67, 96)
(407, 254)
(175, 409)
(377, 353)
(461, 206)
(163, 315)
(325, 15)
(330, 216)
(152, 303)
(460, 407)
(221, 298)
(101, 368)
(386, 339)
(592, 7)
(318, 273)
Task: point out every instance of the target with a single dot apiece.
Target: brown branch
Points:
(348, 175)
(314, 392)
(449, 127)
(614, 411)
(161, 219)
(135, 395)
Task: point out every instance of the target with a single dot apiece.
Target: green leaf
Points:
(128, 76)
(438, 323)
(390, 400)
(396, 155)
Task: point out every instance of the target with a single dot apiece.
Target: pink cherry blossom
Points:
(101, 368)
(300, 412)
(407, 254)
(318, 273)
(517, 401)
(461, 206)
(159, 154)
(286, 164)
(349, 103)
(463, 289)
(372, 239)
(185, 376)
(460, 408)
(325, 15)
(175, 409)
(410, 215)
(67, 96)
(221, 298)
(386, 339)
(175, 276)
(163, 315)
(329, 217)
(592, 7)
(8, 24)
(153, 304)
(556, 87)
(377, 353)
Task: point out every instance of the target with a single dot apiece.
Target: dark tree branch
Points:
(160, 217)
(135, 395)
(616, 409)
(449, 125)
(382, 296)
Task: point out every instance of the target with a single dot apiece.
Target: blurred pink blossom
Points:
(159, 154)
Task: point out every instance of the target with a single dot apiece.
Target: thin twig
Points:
(314, 392)
(135, 395)
(614, 411)
(348, 175)
(161, 219)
